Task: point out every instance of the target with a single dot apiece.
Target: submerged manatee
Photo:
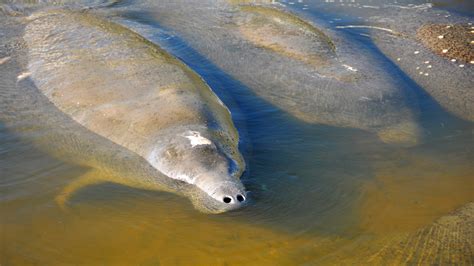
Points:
(435, 48)
(449, 240)
(130, 92)
(319, 76)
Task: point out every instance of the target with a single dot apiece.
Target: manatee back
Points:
(316, 74)
(115, 83)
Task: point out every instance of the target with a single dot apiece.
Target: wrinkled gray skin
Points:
(94, 93)
(343, 85)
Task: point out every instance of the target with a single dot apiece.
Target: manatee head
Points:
(205, 160)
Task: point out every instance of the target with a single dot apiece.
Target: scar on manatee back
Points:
(449, 41)
(286, 34)
(196, 139)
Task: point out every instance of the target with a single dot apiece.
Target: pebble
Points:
(23, 75)
(440, 37)
(416, 52)
(445, 51)
(3, 60)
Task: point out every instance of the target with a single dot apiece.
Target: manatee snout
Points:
(230, 193)
(225, 196)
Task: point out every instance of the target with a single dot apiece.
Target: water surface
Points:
(319, 194)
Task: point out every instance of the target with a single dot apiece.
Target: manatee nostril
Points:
(227, 199)
(240, 198)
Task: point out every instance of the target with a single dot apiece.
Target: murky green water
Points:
(319, 193)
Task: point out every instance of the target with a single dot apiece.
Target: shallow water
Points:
(319, 194)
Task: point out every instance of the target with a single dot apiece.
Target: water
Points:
(319, 194)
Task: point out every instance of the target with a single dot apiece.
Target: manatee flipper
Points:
(92, 177)
(406, 134)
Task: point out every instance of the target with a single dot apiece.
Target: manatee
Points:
(448, 240)
(434, 47)
(317, 75)
(108, 99)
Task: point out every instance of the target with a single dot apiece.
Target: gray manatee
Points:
(125, 108)
(434, 47)
(318, 76)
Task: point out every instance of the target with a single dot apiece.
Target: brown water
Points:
(320, 195)
(116, 225)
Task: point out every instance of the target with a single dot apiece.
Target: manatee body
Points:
(318, 76)
(149, 121)
(434, 47)
(449, 240)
